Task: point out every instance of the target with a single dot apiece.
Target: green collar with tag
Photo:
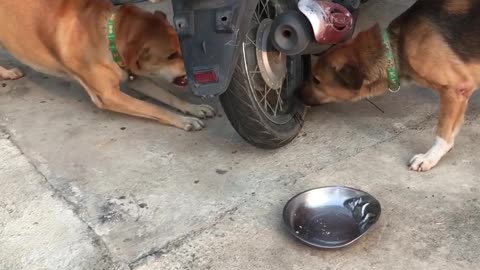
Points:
(392, 72)
(111, 42)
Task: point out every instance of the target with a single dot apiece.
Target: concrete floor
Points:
(87, 189)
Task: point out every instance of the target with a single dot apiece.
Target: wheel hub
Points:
(272, 64)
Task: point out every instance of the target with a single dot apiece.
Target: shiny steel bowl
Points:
(331, 217)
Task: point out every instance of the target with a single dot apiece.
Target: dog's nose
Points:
(181, 81)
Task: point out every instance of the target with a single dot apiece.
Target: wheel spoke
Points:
(280, 101)
(265, 101)
(267, 105)
(266, 92)
(260, 8)
(270, 106)
(250, 41)
(254, 73)
(268, 12)
(257, 18)
(263, 10)
(278, 105)
(271, 98)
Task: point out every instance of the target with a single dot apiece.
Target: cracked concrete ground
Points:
(87, 189)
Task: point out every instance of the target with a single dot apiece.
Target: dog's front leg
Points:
(151, 89)
(452, 111)
(102, 83)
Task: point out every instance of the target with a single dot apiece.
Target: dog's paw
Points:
(423, 163)
(201, 111)
(426, 162)
(11, 74)
(191, 124)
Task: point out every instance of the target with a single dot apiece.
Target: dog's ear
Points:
(160, 14)
(350, 76)
(135, 54)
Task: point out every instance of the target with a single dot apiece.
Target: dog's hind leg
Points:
(10, 74)
(452, 112)
(102, 84)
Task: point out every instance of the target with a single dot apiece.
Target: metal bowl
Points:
(331, 217)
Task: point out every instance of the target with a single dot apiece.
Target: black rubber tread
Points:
(248, 119)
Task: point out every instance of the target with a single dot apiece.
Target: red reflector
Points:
(204, 77)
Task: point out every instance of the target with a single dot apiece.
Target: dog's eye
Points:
(315, 80)
(174, 55)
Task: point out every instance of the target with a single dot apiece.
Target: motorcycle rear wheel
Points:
(260, 102)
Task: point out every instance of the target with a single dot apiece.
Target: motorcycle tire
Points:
(248, 113)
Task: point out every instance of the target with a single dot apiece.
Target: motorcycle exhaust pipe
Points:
(292, 34)
(313, 28)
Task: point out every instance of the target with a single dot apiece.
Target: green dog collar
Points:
(111, 42)
(392, 72)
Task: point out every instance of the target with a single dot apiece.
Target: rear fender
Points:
(211, 33)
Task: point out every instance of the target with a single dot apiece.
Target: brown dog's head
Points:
(340, 74)
(151, 47)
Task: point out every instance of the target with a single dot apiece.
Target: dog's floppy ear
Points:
(350, 76)
(135, 54)
(160, 14)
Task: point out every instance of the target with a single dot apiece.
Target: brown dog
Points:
(68, 38)
(435, 43)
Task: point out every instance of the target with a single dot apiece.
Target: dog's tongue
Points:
(181, 81)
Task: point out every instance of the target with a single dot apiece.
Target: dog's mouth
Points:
(181, 81)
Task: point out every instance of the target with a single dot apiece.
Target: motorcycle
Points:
(255, 54)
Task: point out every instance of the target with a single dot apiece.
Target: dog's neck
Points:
(372, 54)
(111, 33)
(116, 18)
(124, 21)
